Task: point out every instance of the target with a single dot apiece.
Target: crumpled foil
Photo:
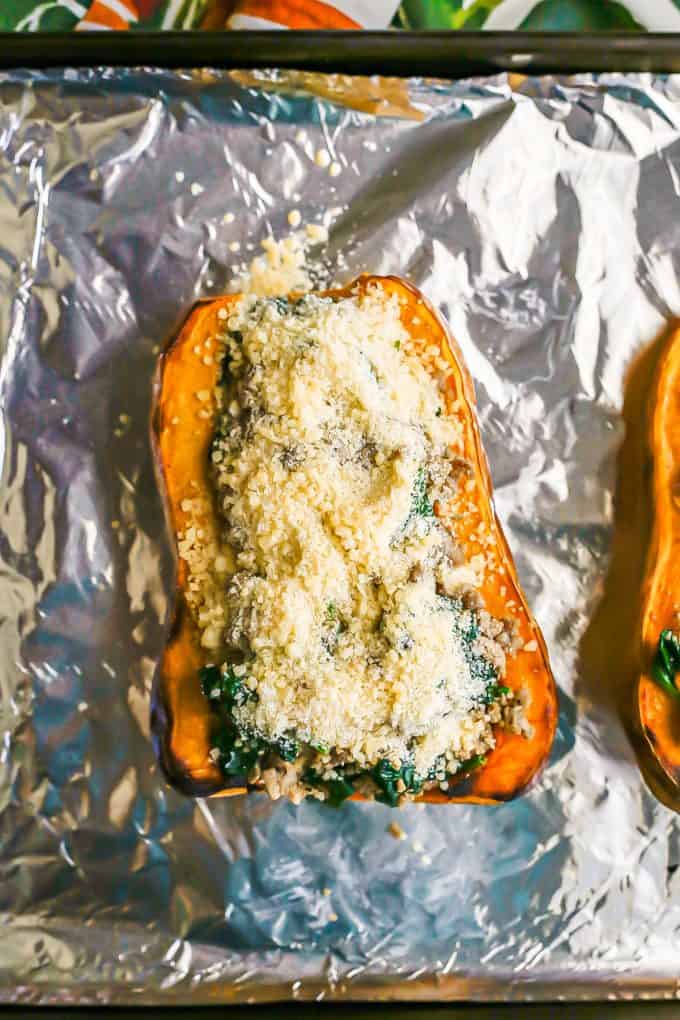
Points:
(541, 217)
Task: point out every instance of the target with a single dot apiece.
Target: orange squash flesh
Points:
(659, 711)
(183, 720)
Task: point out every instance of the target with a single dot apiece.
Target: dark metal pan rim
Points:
(441, 54)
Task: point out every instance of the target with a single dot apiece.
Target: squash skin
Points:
(658, 711)
(181, 716)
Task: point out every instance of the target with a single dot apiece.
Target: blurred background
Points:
(529, 15)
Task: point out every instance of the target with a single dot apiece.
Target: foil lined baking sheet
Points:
(541, 217)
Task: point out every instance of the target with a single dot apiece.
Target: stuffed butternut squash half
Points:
(658, 695)
(348, 620)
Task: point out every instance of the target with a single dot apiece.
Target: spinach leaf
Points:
(211, 681)
(238, 753)
(337, 790)
(334, 626)
(437, 768)
(482, 669)
(466, 627)
(495, 691)
(224, 687)
(472, 763)
(466, 623)
(241, 750)
(667, 662)
(386, 777)
(421, 505)
(226, 375)
(286, 748)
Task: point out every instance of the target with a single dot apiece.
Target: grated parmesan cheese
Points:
(329, 589)
(334, 598)
(281, 269)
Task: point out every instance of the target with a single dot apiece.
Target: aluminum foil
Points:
(542, 218)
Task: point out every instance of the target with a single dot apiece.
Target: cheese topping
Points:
(351, 650)
(341, 613)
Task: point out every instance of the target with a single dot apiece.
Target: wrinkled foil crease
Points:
(541, 217)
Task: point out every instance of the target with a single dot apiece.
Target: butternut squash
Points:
(182, 720)
(658, 697)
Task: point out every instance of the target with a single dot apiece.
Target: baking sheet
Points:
(541, 217)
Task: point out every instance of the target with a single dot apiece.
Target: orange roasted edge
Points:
(182, 719)
(658, 707)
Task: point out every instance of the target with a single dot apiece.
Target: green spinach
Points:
(466, 627)
(224, 687)
(472, 763)
(666, 663)
(337, 789)
(238, 753)
(386, 777)
(421, 505)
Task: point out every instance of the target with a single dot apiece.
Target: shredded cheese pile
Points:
(333, 599)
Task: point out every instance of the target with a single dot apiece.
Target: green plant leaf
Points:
(447, 13)
(579, 16)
